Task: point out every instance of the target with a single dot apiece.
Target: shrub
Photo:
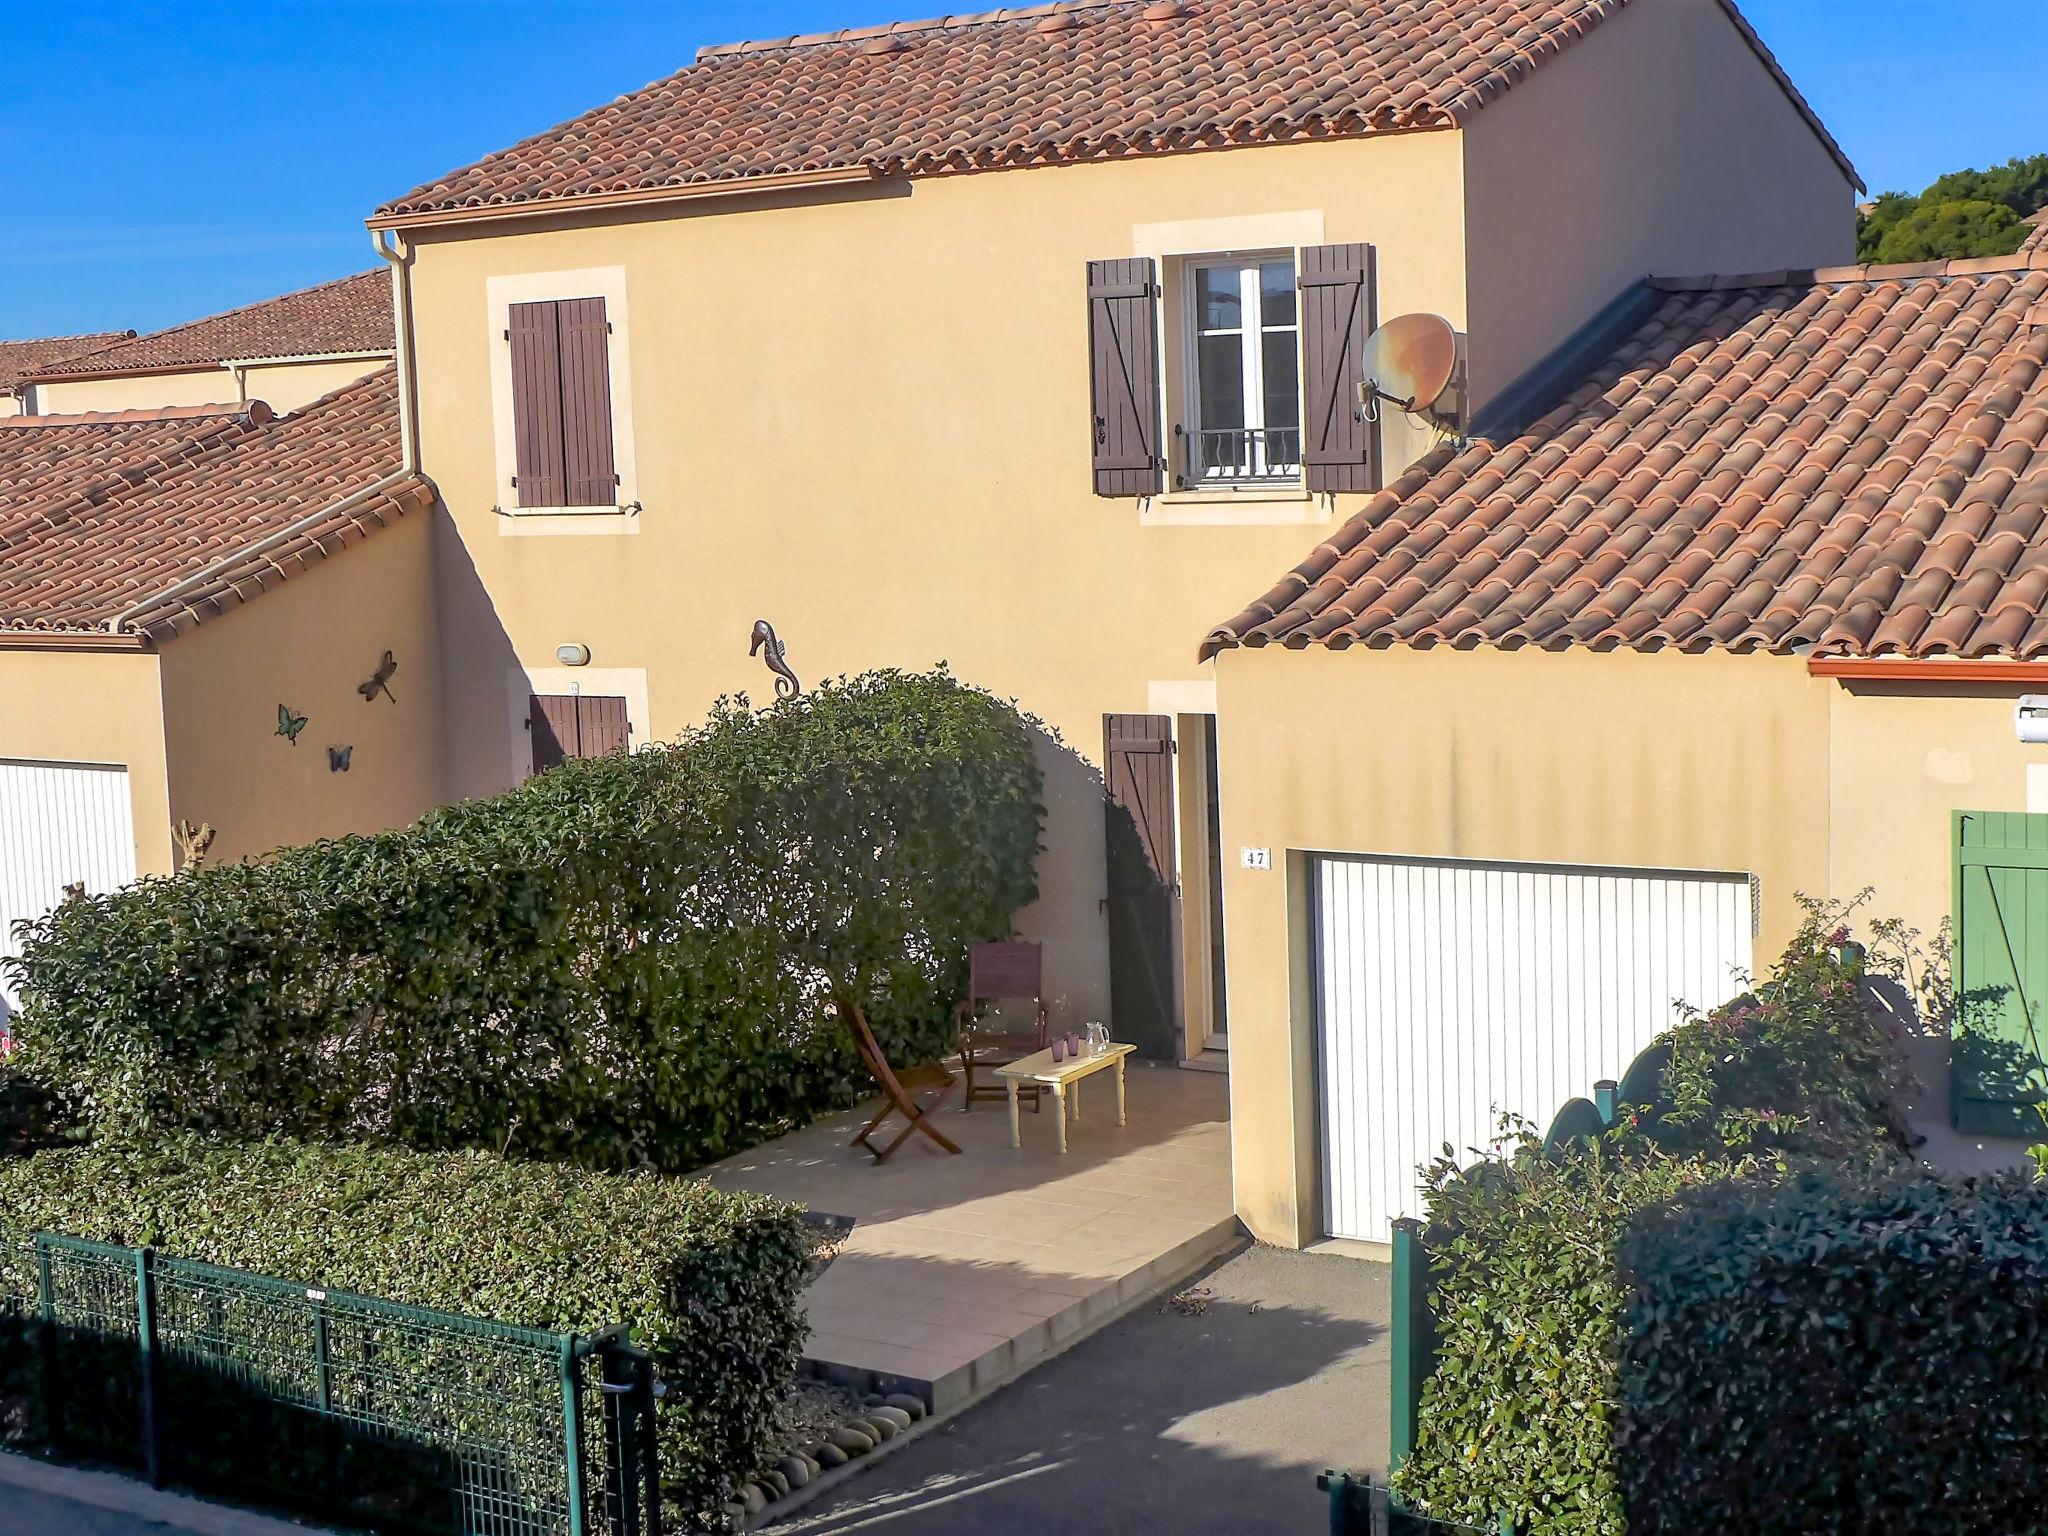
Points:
(1520, 1413)
(628, 961)
(1877, 1346)
(1523, 1408)
(1800, 1066)
(710, 1282)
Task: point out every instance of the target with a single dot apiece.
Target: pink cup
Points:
(1059, 1049)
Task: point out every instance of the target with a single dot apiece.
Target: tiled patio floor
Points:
(962, 1271)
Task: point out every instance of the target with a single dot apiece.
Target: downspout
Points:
(401, 336)
(249, 551)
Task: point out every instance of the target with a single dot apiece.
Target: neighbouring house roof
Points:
(1040, 85)
(1852, 461)
(20, 358)
(101, 513)
(2037, 233)
(349, 316)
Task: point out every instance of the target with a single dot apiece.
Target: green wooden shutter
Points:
(2000, 1071)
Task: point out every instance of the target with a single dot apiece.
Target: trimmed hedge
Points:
(710, 1282)
(1879, 1345)
(1523, 1410)
(627, 961)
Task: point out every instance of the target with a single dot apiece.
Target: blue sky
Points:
(161, 161)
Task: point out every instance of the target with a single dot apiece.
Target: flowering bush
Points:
(1800, 1065)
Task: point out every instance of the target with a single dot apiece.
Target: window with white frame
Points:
(1243, 388)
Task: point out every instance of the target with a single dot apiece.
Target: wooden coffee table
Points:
(1058, 1076)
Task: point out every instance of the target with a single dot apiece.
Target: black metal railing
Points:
(1229, 455)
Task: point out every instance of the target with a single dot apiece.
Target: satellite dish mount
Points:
(1410, 363)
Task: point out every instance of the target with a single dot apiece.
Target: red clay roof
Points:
(2037, 236)
(19, 358)
(1852, 462)
(1042, 85)
(99, 513)
(350, 314)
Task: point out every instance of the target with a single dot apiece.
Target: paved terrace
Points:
(963, 1271)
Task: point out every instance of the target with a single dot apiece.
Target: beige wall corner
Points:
(1712, 762)
(83, 707)
(283, 387)
(1903, 756)
(1658, 144)
(307, 643)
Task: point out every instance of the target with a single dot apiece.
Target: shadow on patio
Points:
(962, 1271)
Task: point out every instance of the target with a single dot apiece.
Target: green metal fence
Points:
(388, 1417)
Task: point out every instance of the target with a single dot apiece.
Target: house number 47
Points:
(1257, 858)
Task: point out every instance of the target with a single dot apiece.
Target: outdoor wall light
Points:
(573, 655)
(2030, 717)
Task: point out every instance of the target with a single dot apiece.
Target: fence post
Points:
(146, 1360)
(1607, 1098)
(572, 1433)
(1414, 1342)
(46, 1313)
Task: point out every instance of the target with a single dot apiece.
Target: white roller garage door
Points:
(60, 823)
(1450, 991)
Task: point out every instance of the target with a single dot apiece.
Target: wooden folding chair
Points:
(1007, 969)
(896, 1099)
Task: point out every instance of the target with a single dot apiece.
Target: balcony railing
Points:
(1234, 456)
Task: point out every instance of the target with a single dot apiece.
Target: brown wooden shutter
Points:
(1137, 771)
(601, 725)
(587, 404)
(1123, 376)
(534, 334)
(1339, 448)
(552, 720)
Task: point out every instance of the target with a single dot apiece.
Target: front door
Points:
(1137, 769)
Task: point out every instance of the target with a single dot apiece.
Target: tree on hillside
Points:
(1964, 213)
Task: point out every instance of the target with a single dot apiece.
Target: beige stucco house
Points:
(287, 352)
(1556, 730)
(176, 584)
(1028, 378)
(20, 359)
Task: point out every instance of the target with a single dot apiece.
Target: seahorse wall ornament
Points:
(770, 649)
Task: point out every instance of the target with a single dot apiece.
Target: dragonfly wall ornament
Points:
(766, 645)
(380, 681)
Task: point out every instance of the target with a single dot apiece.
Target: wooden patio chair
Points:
(896, 1098)
(1006, 971)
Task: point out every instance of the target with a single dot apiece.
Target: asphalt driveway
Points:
(1209, 1413)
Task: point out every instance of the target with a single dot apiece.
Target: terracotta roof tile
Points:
(20, 358)
(1042, 85)
(1908, 515)
(348, 315)
(101, 513)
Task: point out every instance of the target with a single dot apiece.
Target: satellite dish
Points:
(1409, 361)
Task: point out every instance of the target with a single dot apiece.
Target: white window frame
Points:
(1252, 357)
(501, 293)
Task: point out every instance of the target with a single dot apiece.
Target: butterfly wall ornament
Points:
(338, 758)
(288, 724)
(379, 681)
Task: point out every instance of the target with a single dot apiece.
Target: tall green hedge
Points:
(710, 1282)
(628, 961)
(1839, 1356)
(1523, 1411)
